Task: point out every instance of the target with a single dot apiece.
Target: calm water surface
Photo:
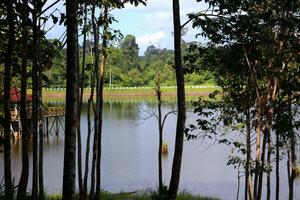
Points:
(129, 156)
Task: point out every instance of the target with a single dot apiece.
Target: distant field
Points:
(168, 92)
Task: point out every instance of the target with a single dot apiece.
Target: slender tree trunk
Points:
(293, 159)
(250, 187)
(160, 132)
(277, 165)
(160, 181)
(269, 167)
(258, 143)
(71, 118)
(100, 94)
(86, 169)
(261, 169)
(96, 67)
(7, 77)
(176, 167)
(41, 137)
(90, 102)
(41, 158)
(22, 188)
(248, 156)
(79, 157)
(265, 141)
(288, 163)
(35, 96)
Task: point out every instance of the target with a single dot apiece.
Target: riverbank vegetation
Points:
(251, 53)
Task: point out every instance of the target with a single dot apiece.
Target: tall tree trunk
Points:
(79, 157)
(22, 187)
(100, 96)
(277, 165)
(87, 152)
(41, 164)
(248, 156)
(267, 130)
(160, 132)
(90, 102)
(35, 99)
(7, 77)
(176, 167)
(269, 167)
(292, 163)
(41, 136)
(160, 142)
(258, 143)
(71, 118)
(96, 67)
(261, 169)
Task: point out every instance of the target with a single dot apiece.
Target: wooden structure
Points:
(52, 120)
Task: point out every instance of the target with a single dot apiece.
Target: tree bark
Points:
(96, 67)
(90, 102)
(269, 167)
(277, 165)
(7, 115)
(160, 142)
(100, 96)
(292, 163)
(261, 169)
(248, 156)
(35, 100)
(71, 118)
(79, 156)
(22, 187)
(176, 167)
(258, 143)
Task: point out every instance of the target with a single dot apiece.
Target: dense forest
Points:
(252, 53)
(125, 67)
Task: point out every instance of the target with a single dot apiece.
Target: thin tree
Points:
(71, 118)
(79, 156)
(161, 122)
(176, 167)
(7, 77)
(160, 130)
(22, 187)
(96, 67)
(87, 152)
(35, 97)
(100, 96)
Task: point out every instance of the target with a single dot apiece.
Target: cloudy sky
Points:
(151, 24)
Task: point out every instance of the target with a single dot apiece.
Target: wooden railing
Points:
(46, 112)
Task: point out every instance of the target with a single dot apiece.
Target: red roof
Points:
(15, 95)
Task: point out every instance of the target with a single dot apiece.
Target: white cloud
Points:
(160, 15)
(151, 39)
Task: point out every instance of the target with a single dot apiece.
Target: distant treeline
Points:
(125, 67)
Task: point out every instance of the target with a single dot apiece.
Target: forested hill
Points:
(125, 67)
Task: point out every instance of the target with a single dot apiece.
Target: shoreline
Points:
(168, 93)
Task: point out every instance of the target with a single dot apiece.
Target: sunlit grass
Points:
(135, 93)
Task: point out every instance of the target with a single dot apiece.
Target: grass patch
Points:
(137, 196)
(134, 93)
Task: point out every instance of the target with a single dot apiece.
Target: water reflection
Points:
(130, 155)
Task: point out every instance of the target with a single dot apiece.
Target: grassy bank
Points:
(168, 93)
(139, 196)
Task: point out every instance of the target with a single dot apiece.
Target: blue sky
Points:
(151, 24)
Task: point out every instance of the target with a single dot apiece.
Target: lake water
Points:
(129, 156)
